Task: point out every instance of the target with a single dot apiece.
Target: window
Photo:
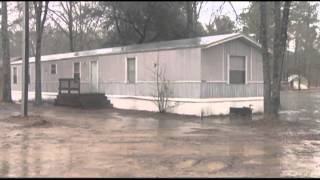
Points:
(53, 69)
(237, 71)
(76, 70)
(14, 75)
(131, 70)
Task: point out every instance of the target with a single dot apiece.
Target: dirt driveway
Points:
(69, 142)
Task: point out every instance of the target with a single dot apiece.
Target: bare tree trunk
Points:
(70, 26)
(115, 17)
(276, 58)
(81, 33)
(308, 74)
(6, 92)
(25, 61)
(189, 19)
(280, 39)
(309, 46)
(298, 61)
(266, 60)
(299, 81)
(38, 89)
(39, 30)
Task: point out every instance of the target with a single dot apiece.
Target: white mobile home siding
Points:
(215, 71)
(182, 67)
(197, 72)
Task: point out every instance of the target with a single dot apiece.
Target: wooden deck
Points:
(69, 95)
(86, 100)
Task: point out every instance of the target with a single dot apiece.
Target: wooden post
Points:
(25, 65)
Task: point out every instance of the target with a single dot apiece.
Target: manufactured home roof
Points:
(203, 42)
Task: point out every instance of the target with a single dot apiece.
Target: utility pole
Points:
(25, 64)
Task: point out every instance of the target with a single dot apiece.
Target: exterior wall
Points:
(215, 71)
(179, 89)
(50, 81)
(257, 64)
(213, 64)
(209, 89)
(184, 80)
(192, 72)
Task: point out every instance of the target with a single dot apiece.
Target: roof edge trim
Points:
(233, 38)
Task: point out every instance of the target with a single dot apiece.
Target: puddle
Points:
(253, 162)
(289, 112)
(215, 166)
(186, 163)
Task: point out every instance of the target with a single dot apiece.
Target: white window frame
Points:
(56, 69)
(136, 69)
(79, 69)
(246, 68)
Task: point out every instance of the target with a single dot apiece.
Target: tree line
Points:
(74, 26)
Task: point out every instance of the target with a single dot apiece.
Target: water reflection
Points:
(140, 146)
(5, 167)
(37, 159)
(24, 153)
(168, 127)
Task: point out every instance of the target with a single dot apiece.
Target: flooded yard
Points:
(70, 142)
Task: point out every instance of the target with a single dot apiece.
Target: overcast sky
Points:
(213, 6)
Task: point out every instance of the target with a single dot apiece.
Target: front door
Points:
(94, 76)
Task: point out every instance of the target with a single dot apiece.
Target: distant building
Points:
(207, 75)
(293, 81)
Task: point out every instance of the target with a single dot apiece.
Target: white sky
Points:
(213, 7)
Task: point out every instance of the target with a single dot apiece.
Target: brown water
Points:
(68, 142)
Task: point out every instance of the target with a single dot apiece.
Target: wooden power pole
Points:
(25, 55)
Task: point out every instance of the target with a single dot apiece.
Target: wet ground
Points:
(69, 142)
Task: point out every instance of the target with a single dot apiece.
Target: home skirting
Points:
(183, 106)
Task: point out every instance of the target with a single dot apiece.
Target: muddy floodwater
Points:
(70, 142)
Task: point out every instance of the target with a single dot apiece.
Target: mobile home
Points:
(207, 75)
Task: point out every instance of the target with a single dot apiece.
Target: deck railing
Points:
(69, 85)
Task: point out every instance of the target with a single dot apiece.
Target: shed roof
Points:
(203, 42)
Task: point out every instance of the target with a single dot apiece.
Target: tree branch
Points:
(235, 12)
(44, 15)
(60, 16)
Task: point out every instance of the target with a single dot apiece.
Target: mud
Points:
(69, 142)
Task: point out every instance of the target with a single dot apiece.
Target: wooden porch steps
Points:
(86, 100)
